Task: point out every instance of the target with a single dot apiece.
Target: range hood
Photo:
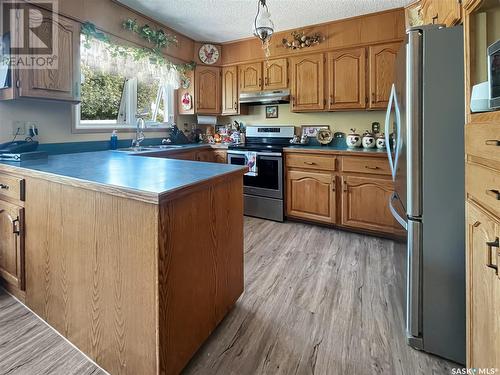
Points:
(265, 97)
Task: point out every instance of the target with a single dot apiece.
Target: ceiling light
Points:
(263, 27)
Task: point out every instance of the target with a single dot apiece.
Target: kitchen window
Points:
(115, 89)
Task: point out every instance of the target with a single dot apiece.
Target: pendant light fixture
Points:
(263, 27)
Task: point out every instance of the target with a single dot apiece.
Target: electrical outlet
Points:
(18, 128)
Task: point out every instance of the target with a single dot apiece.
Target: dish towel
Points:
(251, 158)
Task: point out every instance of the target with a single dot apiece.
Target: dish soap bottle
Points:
(113, 141)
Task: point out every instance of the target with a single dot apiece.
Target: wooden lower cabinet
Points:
(365, 203)
(12, 245)
(483, 289)
(220, 156)
(311, 195)
(205, 155)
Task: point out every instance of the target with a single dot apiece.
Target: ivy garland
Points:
(157, 37)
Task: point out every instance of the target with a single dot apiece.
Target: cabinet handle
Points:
(491, 245)
(331, 100)
(333, 186)
(492, 142)
(4, 187)
(15, 226)
(235, 106)
(260, 81)
(346, 187)
(309, 163)
(373, 168)
(266, 81)
(493, 193)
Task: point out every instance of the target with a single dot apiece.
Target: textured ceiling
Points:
(226, 20)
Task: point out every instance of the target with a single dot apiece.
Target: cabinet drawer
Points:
(483, 140)
(483, 184)
(366, 165)
(311, 161)
(12, 187)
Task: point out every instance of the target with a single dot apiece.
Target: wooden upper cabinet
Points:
(447, 12)
(230, 90)
(382, 61)
(311, 195)
(250, 77)
(63, 82)
(308, 78)
(365, 204)
(208, 90)
(275, 74)
(347, 79)
(483, 286)
(12, 244)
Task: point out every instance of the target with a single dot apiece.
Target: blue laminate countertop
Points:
(149, 179)
(337, 149)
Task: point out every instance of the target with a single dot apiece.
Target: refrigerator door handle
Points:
(399, 219)
(387, 130)
(414, 302)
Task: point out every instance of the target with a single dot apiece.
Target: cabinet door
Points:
(275, 74)
(308, 83)
(12, 244)
(205, 155)
(190, 91)
(447, 12)
(208, 90)
(230, 91)
(483, 290)
(311, 196)
(220, 156)
(382, 61)
(63, 82)
(188, 155)
(347, 79)
(365, 204)
(250, 77)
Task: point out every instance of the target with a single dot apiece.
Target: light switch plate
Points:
(19, 128)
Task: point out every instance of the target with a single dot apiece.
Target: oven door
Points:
(269, 180)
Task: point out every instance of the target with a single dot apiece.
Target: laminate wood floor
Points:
(317, 301)
(29, 347)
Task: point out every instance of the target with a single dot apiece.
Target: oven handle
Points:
(258, 153)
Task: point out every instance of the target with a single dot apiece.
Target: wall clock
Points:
(209, 54)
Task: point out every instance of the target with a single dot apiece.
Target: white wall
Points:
(54, 122)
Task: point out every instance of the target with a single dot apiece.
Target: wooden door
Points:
(12, 244)
(250, 77)
(483, 290)
(230, 97)
(382, 61)
(347, 79)
(208, 90)
(62, 82)
(365, 204)
(308, 83)
(311, 196)
(447, 12)
(276, 74)
(205, 155)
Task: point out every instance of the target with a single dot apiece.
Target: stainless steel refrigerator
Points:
(425, 131)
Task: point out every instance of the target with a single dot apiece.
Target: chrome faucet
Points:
(139, 130)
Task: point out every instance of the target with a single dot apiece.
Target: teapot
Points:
(368, 140)
(353, 139)
(381, 141)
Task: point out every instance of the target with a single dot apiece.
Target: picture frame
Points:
(312, 130)
(272, 111)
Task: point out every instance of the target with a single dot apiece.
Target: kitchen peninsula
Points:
(133, 259)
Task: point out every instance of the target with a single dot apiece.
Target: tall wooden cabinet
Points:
(347, 79)
(308, 82)
(62, 82)
(447, 12)
(208, 90)
(381, 60)
(230, 99)
(11, 245)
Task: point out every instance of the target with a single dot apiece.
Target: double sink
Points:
(149, 148)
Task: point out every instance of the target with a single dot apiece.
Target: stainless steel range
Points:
(264, 185)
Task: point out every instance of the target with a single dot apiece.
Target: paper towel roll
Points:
(207, 120)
